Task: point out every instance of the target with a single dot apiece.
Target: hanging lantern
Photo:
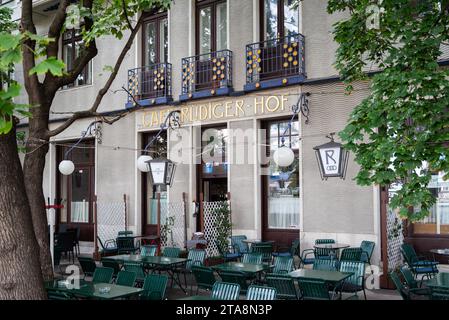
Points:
(283, 156)
(332, 159)
(142, 163)
(162, 171)
(66, 167)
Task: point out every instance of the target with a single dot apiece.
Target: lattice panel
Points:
(210, 230)
(173, 230)
(395, 240)
(111, 219)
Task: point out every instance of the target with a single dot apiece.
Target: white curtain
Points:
(80, 211)
(283, 213)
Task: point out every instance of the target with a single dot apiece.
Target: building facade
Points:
(233, 69)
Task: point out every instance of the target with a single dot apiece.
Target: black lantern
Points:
(332, 159)
(162, 171)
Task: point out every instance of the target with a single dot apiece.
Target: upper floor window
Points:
(155, 40)
(280, 18)
(211, 26)
(72, 48)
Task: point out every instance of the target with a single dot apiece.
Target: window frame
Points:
(157, 19)
(88, 69)
(280, 20)
(213, 4)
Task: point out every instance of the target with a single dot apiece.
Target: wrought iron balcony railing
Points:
(207, 75)
(150, 85)
(275, 62)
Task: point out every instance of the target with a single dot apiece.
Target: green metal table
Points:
(244, 267)
(196, 298)
(157, 263)
(333, 277)
(93, 291)
(441, 280)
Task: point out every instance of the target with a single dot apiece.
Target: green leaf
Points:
(12, 91)
(9, 41)
(52, 65)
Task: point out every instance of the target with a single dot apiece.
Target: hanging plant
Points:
(223, 225)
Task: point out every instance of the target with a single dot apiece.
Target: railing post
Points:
(158, 208)
(96, 252)
(201, 212)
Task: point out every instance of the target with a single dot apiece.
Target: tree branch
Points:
(92, 111)
(54, 31)
(126, 15)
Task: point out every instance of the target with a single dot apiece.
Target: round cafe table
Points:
(441, 252)
(251, 241)
(334, 246)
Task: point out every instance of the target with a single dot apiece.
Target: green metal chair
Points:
(284, 285)
(325, 265)
(228, 254)
(124, 233)
(126, 245)
(406, 293)
(264, 248)
(292, 251)
(418, 264)
(313, 289)
(368, 249)
(196, 258)
(111, 263)
(412, 283)
(260, 293)
(252, 258)
(239, 245)
(88, 265)
(109, 247)
(225, 291)
(154, 287)
(282, 265)
(126, 278)
(351, 254)
(356, 282)
(237, 277)
(54, 294)
(171, 252)
(148, 251)
(204, 277)
(102, 275)
(137, 268)
(440, 294)
(318, 253)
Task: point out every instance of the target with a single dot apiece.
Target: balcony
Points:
(150, 85)
(274, 63)
(207, 75)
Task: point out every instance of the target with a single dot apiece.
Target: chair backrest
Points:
(225, 291)
(196, 258)
(260, 293)
(408, 277)
(252, 258)
(324, 241)
(351, 254)
(171, 252)
(103, 275)
(399, 286)
(237, 242)
(124, 233)
(66, 240)
(283, 264)
(323, 252)
(53, 294)
(439, 294)
(264, 248)
(313, 289)
(221, 249)
(126, 278)
(358, 270)
(295, 248)
(409, 253)
(111, 263)
(154, 286)
(148, 250)
(57, 256)
(62, 227)
(125, 244)
(135, 267)
(284, 284)
(325, 264)
(88, 265)
(368, 249)
(235, 277)
(204, 277)
(101, 242)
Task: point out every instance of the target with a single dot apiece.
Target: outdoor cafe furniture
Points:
(225, 291)
(264, 248)
(154, 287)
(323, 249)
(137, 268)
(228, 254)
(351, 254)
(239, 243)
(204, 277)
(248, 268)
(102, 275)
(284, 285)
(418, 264)
(406, 293)
(440, 281)
(89, 290)
(88, 266)
(325, 265)
(292, 251)
(254, 258)
(356, 282)
(111, 263)
(109, 247)
(238, 277)
(412, 283)
(312, 289)
(261, 293)
(126, 278)
(196, 258)
(126, 245)
(368, 249)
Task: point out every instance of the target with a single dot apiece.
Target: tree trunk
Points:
(33, 169)
(20, 272)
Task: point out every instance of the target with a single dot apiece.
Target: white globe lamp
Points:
(66, 167)
(142, 164)
(283, 156)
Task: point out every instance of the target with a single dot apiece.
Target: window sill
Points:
(76, 88)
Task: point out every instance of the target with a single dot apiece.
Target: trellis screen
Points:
(173, 232)
(210, 223)
(111, 219)
(395, 239)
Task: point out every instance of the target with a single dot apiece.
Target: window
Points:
(72, 48)
(155, 40)
(280, 18)
(438, 221)
(282, 184)
(212, 26)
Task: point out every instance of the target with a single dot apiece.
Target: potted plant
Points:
(223, 225)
